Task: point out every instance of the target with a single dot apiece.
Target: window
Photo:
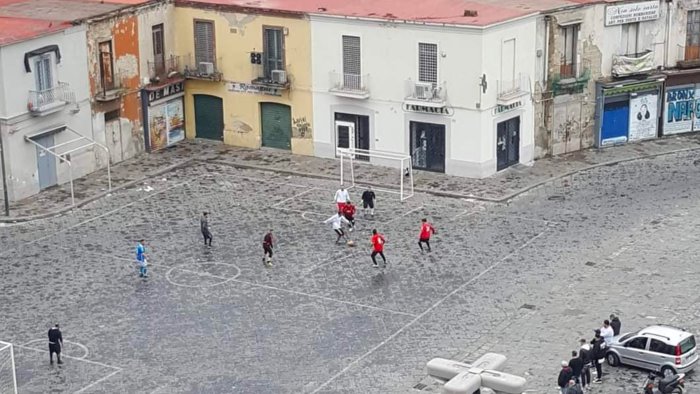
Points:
(273, 48)
(204, 51)
(569, 38)
(427, 63)
(637, 343)
(158, 48)
(106, 63)
(352, 65)
(692, 36)
(629, 38)
(687, 344)
(43, 72)
(660, 347)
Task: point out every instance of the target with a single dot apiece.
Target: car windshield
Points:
(687, 344)
(625, 337)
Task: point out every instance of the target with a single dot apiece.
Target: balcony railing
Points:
(425, 93)
(688, 56)
(276, 79)
(574, 80)
(49, 100)
(350, 85)
(161, 69)
(205, 70)
(632, 64)
(111, 87)
(508, 90)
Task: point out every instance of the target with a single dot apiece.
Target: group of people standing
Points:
(575, 374)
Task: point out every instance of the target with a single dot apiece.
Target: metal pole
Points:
(352, 168)
(4, 176)
(410, 169)
(401, 177)
(70, 172)
(341, 167)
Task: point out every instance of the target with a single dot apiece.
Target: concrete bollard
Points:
(447, 369)
(503, 382)
(463, 383)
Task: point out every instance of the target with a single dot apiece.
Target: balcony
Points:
(509, 91)
(163, 69)
(632, 64)
(572, 79)
(111, 87)
(44, 102)
(273, 79)
(201, 70)
(688, 57)
(349, 85)
(426, 94)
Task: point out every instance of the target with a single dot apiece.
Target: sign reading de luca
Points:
(631, 13)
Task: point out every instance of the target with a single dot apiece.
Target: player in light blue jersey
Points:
(141, 258)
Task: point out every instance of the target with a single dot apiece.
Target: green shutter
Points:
(276, 120)
(209, 117)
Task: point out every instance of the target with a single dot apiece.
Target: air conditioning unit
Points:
(279, 76)
(206, 68)
(424, 90)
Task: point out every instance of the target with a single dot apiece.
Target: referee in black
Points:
(55, 343)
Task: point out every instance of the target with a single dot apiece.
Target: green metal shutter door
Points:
(276, 122)
(209, 117)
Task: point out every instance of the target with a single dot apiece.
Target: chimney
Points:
(471, 13)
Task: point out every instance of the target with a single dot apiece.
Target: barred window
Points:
(273, 47)
(427, 63)
(351, 55)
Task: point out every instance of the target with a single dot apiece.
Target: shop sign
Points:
(681, 105)
(165, 91)
(426, 109)
(507, 108)
(241, 87)
(643, 117)
(632, 13)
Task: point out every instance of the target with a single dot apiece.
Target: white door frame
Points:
(351, 133)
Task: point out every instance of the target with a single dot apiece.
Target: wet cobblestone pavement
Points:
(526, 279)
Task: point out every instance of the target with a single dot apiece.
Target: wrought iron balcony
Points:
(161, 69)
(573, 79)
(111, 87)
(511, 90)
(425, 93)
(204, 70)
(43, 102)
(349, 85)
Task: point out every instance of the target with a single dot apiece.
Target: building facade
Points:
(430, 91)
(248, 75)
(45, 121)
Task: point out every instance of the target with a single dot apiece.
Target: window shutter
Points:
(204, 41)
(352, 63)
(274, 50)
(427, 63)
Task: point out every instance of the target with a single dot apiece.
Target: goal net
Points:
(8, 377)
(385, 171)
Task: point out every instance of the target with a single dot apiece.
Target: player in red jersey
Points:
(349, 213)
(426, 229)
(378, 242)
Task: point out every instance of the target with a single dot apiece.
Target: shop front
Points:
(681, 102)
(628, 111)
(164, 115)
(427, 135)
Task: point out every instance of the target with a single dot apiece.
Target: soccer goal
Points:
(391, 172)
(8, 377)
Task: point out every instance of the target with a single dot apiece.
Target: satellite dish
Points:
(483, 83)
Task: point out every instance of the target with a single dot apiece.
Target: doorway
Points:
(113, 136)
(507, 143)
(276, 122)
(428, 146)
(209, 117)
(352, 131)
(46, 163)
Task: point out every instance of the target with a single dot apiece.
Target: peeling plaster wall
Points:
(162, 13)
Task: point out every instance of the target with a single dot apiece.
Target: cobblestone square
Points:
(527, 279)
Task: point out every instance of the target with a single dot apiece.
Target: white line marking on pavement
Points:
(294, 197)
(465, 213)
(404, 214)
(97, 382)
(333, 260)
(323, 298)
(424, 313)
(84, 348)
(70, 357)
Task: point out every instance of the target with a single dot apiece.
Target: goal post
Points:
(8, 376)
(399, 176)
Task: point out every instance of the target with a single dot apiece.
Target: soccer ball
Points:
(351, 243)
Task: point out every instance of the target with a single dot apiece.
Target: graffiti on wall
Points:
(301, 127)
(566, 130)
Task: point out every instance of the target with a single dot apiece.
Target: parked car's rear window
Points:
(687, 344)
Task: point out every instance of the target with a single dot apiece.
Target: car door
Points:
(660, 353)
(634, 352)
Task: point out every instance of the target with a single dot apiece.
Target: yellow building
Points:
(248, 75)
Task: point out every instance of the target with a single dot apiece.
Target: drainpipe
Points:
(668, 32)
(545, 70)
(4, 176)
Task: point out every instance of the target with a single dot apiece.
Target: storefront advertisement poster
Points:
(166, 124)
(176, 122)
(643, 117)
(157, 127)
(679, 106)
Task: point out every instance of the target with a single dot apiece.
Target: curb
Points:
(440, 193)
(25, 219)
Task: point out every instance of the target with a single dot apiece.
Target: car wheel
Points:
(667, 371)
(612, 359)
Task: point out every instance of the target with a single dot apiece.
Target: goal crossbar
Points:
(405, 163)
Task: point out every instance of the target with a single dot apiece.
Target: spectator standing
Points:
(565, 375)
(584, 354)
(615, 323)
(598, 348)
(576, 364)
(573, 388)
(55, 343)
(607, 332)
(204, 225)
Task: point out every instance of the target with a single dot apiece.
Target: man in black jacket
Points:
(564, 376)
(615, 323)
(585, 355)
(576, 364)
(55, 343)
(598, 349)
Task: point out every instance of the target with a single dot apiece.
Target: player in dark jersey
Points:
(368, 198)
(267, 248)
(55, 343)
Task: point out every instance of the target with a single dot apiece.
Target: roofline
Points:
(425, 23)
(240, 9)
(40, 35)
(580, 5)
(128, 8)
